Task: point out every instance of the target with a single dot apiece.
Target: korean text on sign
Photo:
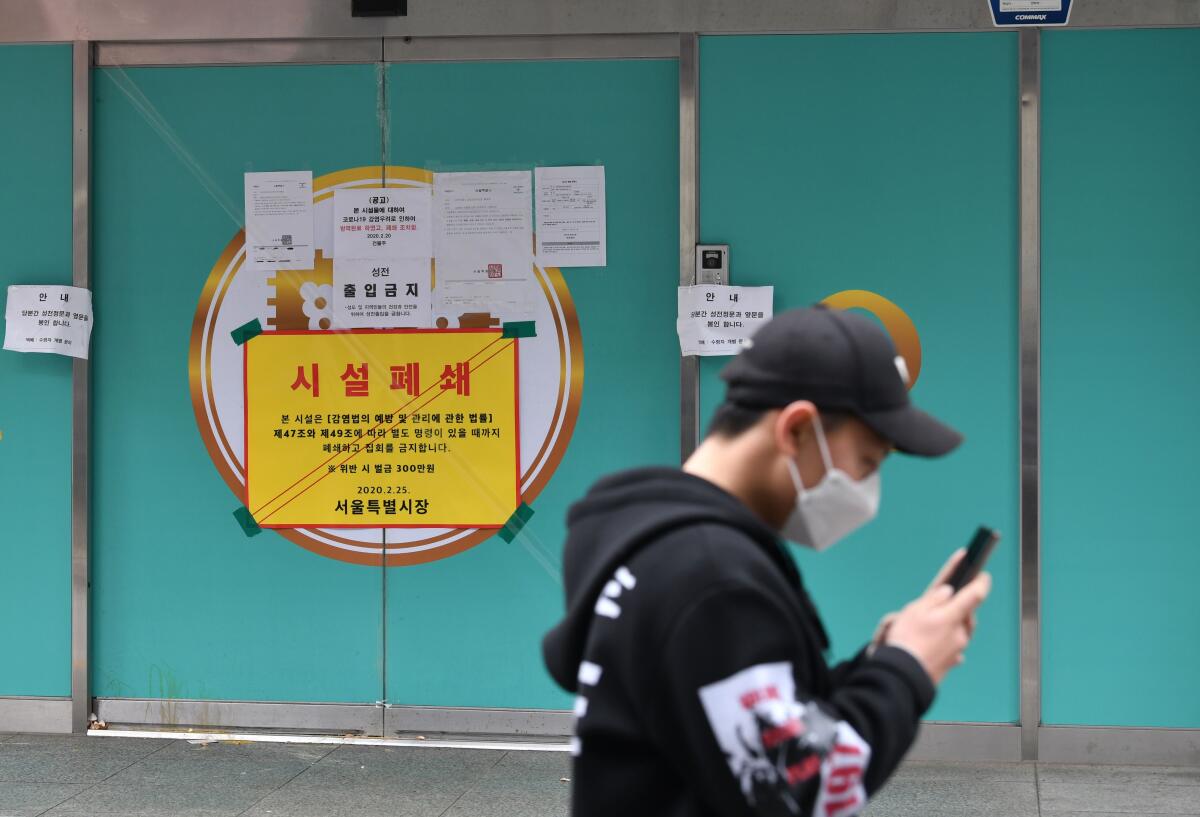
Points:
(382, 429)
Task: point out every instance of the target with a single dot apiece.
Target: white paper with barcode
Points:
(571, 224)
(279, 220)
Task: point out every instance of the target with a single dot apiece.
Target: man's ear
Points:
(792, 425)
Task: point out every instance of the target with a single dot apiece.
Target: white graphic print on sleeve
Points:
(788, 756)
(606, 604)
(589, 676)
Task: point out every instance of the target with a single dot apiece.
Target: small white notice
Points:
(483, 213)
(279, 220)
(54, 319)
(719, 320)
(381, 294)
(1031, 5)
(571, 225)
(383, 223)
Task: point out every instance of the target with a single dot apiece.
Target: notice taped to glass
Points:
(382, 294)
(571, 222)
(382, 428)
(54, 319)
(719, 320)
(279, 220)
(391, 222)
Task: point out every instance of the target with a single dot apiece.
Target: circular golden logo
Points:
(894, 319)
(551, 384)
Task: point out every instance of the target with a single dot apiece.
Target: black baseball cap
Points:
(839, 361)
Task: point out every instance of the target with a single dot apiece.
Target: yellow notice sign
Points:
(382, 428)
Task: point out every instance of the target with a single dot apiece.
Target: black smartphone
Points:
(978, 551)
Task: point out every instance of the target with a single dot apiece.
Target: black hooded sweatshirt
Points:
(697, 660)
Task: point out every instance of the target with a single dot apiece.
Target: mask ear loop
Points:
(824, 446)
(794, 473)
(794, 469)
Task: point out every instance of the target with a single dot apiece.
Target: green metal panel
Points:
(184, 604)
(889, 164)
(466, 630)
(35, 389)
(1120, 291)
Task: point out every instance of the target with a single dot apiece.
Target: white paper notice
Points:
(1030, 5)
(279, 220)
(483, 213)
(571, 227)
(392, 222)
(373, 294)
(54, 319)
(490, 291)
(718, 320)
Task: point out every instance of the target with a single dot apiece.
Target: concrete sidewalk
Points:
(61, 775)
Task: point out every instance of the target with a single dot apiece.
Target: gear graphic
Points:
(297, 296)
(318, 304)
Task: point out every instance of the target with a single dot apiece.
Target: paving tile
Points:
(521, 783)
(255, 764)
(164, 812)
(977, 772)
(514, 800)
(1127, 797)
(941, 798)
(371, 801)
(212, 798)
(1107, 814)
(1152, 775)
(374, 764)
(529, 784)
(552, 762)
(368, 780)
(28, 799)
(70, 758)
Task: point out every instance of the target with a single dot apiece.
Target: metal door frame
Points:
(938, 739)
(370, 719)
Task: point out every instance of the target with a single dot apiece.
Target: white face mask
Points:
(832, 509)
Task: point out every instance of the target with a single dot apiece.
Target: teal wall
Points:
(35, 389)
(184, 605)
(466, 631)
(1120, 293)
(880, 162)
(889, 163)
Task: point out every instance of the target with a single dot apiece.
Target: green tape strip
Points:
(519, 329)
(515, 522)
(246, 331)
(246, 520)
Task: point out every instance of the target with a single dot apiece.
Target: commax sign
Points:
(1030, 12)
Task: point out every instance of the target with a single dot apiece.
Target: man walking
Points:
(694, 650)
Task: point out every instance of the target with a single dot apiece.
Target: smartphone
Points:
(978, 551)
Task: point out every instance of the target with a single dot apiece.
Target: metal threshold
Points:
(506, 743)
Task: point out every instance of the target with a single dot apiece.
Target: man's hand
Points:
(885, 623)
(937, 627)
